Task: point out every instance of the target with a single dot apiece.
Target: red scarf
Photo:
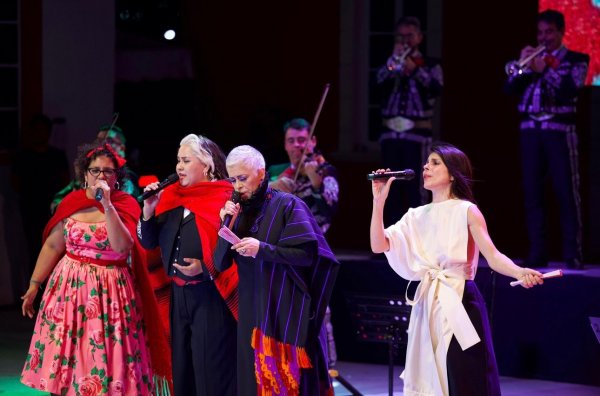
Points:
(205, 200)
(129, 212)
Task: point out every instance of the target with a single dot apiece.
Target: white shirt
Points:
(430, 244)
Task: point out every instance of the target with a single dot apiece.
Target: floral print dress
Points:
(88, 337)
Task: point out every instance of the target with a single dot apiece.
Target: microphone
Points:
(99, 194)
(167, 182)
(235, 198)
(406, 174)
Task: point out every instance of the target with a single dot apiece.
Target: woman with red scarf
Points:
(183, 221)
(89, 335)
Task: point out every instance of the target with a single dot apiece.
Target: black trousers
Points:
(551, 154)
(203, 341)
(473, 372)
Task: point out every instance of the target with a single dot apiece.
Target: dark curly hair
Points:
(83, 161)
(459, 167)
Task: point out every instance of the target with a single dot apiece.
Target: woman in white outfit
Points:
(450, 348)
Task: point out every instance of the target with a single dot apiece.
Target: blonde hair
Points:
(198, 144)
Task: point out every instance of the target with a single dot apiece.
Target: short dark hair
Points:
(459, 167)
(296, 123)
(409, 21)
(115, 130)
(41, 119)
(553, 17)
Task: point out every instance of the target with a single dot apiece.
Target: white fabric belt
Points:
(451, 304)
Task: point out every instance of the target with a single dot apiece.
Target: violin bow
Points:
(115, 118)
(312, 129)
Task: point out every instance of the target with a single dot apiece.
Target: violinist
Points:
(548, 84)
(408, 85)
(316, 181)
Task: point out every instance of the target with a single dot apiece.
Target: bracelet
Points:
(108, 207)
(35, 282)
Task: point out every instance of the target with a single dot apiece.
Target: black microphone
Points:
(99, 194)
(167, 182)
(406, 174)
(235, 198)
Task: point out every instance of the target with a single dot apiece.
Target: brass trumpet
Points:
(396, 62)
(513, 68)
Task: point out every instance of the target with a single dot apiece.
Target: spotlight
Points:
(169, 34)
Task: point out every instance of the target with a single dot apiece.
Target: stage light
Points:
(169, 34)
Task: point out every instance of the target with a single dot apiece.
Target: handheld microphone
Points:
(235, 198)
(406, 174)
(167, 182)
(99, 194)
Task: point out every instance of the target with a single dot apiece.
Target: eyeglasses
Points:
(108, 172)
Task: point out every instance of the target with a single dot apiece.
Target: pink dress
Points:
(88, 336)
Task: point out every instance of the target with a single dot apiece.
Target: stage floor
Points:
(522, 319)
(372, 380)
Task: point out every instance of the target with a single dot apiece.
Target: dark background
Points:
(260, 64)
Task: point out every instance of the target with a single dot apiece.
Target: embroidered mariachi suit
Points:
(549, 145)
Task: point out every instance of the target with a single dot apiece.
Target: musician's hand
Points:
(151, 202)
(284, 184)
(311, 170)
(232, 209)
(194, 268)
(28, 298)
(381, 187)
(530, 277)
(247, 247)
(538, 64)
(399, 48)
(525, 52)
(409, 66)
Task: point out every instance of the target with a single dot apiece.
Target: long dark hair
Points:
(459, 167)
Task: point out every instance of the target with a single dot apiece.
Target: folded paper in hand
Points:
(228, 235)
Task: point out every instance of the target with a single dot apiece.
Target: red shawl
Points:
(205, 200)
(129, 212)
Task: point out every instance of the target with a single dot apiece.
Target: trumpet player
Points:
(547, 79)
(409, 84)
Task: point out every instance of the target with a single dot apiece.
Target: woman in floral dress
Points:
(89, 337)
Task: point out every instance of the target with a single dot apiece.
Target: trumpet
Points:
(513, 68)
(396, 62)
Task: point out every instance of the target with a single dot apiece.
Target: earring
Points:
(117, 186)
(205, 172)
(85, 185)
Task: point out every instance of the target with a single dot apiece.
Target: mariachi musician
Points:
(409, 84)
(308, 175)
(548, 79)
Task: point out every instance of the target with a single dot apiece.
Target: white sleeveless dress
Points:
(430, 244)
